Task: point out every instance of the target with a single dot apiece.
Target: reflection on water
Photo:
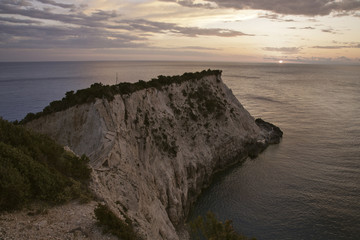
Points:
(307, 187)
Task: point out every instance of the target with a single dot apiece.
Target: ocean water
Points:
(307, 187)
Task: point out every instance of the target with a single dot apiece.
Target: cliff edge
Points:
(152, 151)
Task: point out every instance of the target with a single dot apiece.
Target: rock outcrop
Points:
(154, 150)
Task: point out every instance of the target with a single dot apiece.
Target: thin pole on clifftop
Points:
(116, 78)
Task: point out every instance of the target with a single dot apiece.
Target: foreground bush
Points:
(33, 167)
(210, 228)
(112, 224)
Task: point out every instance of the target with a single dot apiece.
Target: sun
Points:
(281, 61)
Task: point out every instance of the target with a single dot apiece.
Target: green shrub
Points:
(210, 228)
(208, 103)
(33, 167)
(112, 224)
(165, 142)
(98, 90)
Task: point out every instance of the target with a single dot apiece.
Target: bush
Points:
(212, 229)
(33, 167)
(112, 224)
(208, 103)
(98, 90)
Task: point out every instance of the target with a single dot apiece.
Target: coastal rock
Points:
(154, 150)
(272, 133)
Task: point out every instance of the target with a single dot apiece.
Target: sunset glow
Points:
(208, 30)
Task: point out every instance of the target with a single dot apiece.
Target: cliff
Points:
(153, 150)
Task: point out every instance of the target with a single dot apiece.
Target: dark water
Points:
(307, 187)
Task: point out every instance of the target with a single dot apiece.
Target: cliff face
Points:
(153, 151)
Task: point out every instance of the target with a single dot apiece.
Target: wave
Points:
(261, 98)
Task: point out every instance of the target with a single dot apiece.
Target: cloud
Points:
(20, 3)
(162, 27)
(303, 28)
(308, 28)
(276, 17)
(312, 20)
(62, 5)
(191, 3)
(92, 20)
(20, 36)
(315, 60)
(101, 19)
(326, 30)
(195, 31)
(99, 29)
(329, 30)
(284, 50)
(199, 48)
(290, 7)
(353, 45)
(15, 20)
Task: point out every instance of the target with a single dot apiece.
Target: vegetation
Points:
(98, 90)
(207, 102)
(112, 224)
(210, 228)
(165, 142)
(33, 167)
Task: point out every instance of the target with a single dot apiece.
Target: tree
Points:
(210, 228)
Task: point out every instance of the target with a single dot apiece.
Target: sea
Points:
(306, 187)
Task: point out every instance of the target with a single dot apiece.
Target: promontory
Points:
(153, 146)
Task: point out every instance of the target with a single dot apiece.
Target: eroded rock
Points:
(153, 151)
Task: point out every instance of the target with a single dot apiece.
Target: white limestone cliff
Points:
(153, 151)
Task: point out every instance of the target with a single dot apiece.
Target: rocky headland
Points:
(152, 150)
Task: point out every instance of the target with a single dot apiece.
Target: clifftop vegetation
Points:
(98, 90)
(35, 168)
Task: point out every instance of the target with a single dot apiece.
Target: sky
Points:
(296, 31)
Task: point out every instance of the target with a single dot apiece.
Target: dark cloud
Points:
(20, 3)
(93, 20)
(15, 20)
(329, 47)
(100, 15)
(314, 60)
(291, 7)
(191, 3)
(303, 28)
(100, 19)
(199, 48)
(308, 28)
(62, 5)
(329, 30)
(143, 25)
(79, 30)
(195, 31)
(20, 36)
(284, 50)
(161, 27)
(276, 17)
(352, 45)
